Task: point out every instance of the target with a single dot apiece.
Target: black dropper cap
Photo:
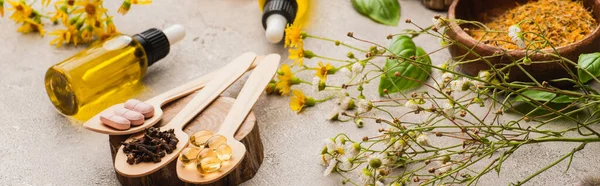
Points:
(286, 8)
(155, 43)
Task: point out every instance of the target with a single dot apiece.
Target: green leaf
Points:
(591, 63)
(383, 11)
(404, 48)
(543, 96)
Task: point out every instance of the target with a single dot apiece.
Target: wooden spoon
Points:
(94, 124)
(249, 94)
(200, 101)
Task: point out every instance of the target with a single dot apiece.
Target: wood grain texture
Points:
(477, 10)
(210, 119)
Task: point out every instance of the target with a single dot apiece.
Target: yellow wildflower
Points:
(286, 80)
(323, 70)
(63, 35)
(1, 8)
(31, 26)
(293, 36)
(141, 2)
(46, 2)
(300, 101)
(92, 8)
(87, 34)
(126, 5)
(22, 11)
(61, 13)
(297, 55)
(69, 3)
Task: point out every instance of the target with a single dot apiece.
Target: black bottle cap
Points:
(155, 43)
(286, 8)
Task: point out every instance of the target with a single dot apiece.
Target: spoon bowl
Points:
(189, 173)
(129, 170)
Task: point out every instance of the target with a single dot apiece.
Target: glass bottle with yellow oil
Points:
(277, 14)
(104, 68)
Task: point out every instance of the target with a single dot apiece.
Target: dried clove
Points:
(154, 145)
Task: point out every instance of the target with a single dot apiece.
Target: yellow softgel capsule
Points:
(224, 152)
(206, 153)
(216, 141)
(189, 155)
(200, 138)
(209, 165)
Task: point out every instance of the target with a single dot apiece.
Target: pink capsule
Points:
(134, 117)
(115, 121)
(144, 108)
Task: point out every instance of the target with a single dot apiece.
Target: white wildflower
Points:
(357, 68)
(445, 168)
(444, 156)
(447, 77)
(315, 83)
(437, 23)
(325, 158)
(330, 145)
(514, 32)
(346, 72)
(366, 176)
(477, 84)
(423, 140)
(351, 149)
(340, 96)
(335, 113)
(346, 103)
(330, 167)
(377, 160)
(448, 108)
(364, 106)
(484, 75)
(379, 183)
(412, 105)
(462, 84)
(345, 163)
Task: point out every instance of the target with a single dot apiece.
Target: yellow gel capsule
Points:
(224, 152)
(200, 138)
(206, 153)
(216, 141)
(209, 165)
(189, 155)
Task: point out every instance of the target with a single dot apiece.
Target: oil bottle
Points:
(279, 13)
(106, 67)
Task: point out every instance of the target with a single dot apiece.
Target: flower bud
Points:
(308, 54)
(359, 122)
(375, 163)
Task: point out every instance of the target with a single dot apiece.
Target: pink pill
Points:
(115, 121)
(134, 117)
(144, 108)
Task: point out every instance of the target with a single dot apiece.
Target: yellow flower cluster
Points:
(84, 21)
(294, 41)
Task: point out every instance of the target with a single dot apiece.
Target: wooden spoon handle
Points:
(249, 94)
(194, 85)
(213, 89)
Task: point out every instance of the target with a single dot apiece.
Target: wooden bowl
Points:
(475, 10)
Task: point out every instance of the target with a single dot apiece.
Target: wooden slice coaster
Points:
(210, 119)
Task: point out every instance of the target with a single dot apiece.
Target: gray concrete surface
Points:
(41, 147)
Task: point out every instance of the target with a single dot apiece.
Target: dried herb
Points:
(152, 147)
(561, 22)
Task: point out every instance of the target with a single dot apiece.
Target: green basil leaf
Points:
(543, 96)
(591, 63)
(404, 48)
(383, 11)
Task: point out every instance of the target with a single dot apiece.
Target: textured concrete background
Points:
(41, 147)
